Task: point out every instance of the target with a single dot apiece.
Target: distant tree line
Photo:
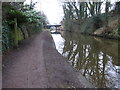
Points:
(89, 16)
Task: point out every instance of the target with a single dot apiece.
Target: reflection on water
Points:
(59, 42)
(96, 58)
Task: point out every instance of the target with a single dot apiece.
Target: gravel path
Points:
(37, 64)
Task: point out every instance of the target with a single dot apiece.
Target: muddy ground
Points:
(37, 64)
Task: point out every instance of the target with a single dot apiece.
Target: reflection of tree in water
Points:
(92, 57)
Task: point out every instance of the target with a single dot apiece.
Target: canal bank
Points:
(37, 64)
(103, 36)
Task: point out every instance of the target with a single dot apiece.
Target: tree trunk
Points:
(15, 33)
(106, 14)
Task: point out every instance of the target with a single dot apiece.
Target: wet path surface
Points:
(37, 64)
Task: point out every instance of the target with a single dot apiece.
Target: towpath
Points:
(37, 64)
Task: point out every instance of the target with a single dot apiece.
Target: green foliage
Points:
(32, 16)
(97, 22)
(20, 36)
(7, 38)
(87, 27)
(19, 22)
(114, 32)
(21, 17)
(87, 16)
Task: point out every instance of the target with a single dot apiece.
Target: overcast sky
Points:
(51, 8)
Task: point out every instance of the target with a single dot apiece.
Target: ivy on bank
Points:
(20, 22)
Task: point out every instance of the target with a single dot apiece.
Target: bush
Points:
(7, 38)
(97, 22)
(19, 22)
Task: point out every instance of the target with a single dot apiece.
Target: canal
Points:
(95, 58)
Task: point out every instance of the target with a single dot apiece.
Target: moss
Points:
(20, 36)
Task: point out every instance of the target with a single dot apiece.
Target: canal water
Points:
(95, 58)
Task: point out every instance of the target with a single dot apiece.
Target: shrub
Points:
(97, 22)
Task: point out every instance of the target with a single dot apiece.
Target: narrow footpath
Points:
(37, 64)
